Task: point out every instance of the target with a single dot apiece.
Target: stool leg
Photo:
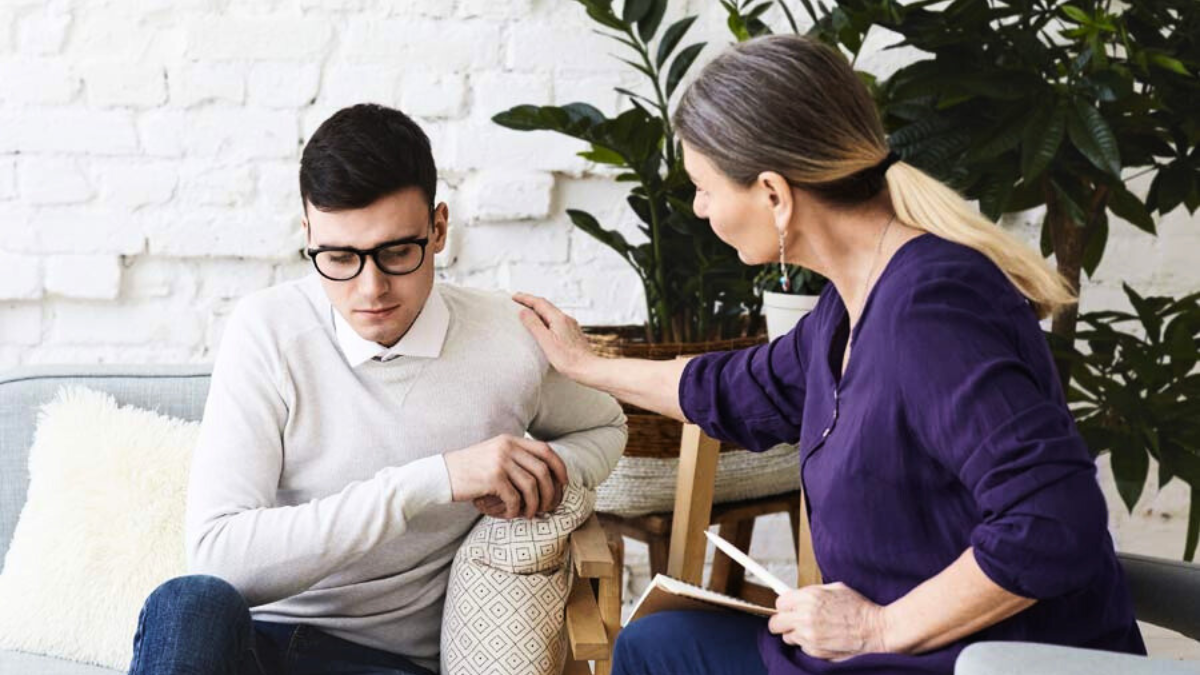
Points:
(794, 516)
(660, 552)
(728, 576)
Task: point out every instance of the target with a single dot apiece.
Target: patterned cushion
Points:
(508, 593)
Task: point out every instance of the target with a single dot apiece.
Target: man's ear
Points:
(441, 226)
(778, 193)
(307, 231)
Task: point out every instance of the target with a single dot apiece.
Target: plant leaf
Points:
(648, 25)
(1042, 138)
(1126, 206)
(681, 64)
(610, 238)
(672, 36)
(602, 155)
(1097, 240)
(1131, 466)
(1092, 136)
(634, 10)
(1167, 63)
(1077, 15)
(993, 198)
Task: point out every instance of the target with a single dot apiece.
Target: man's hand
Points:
(507, 477)
(830, 622)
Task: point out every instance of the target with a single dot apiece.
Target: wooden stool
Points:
(736, 520)
(676, 540)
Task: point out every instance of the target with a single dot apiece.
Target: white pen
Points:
(759, 571)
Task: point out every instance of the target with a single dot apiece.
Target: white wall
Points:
(148, 158)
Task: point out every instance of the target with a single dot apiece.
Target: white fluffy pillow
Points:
(102, 528)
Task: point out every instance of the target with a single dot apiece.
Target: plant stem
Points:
(668, 132)
(667, 334)
(1070, 241)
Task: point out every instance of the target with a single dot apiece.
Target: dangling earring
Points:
(784, 282)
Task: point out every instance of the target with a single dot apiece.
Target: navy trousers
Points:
(698, 643)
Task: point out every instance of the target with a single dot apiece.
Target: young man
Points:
(358, 421)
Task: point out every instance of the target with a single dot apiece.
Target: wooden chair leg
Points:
(694, 489)
(728, 577)
(660, 551)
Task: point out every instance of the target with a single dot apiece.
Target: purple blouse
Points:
(948, 430)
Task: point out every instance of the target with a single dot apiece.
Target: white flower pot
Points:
(783, 310)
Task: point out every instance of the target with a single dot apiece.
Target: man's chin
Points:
(377, 334)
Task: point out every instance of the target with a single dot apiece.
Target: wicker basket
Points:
(644, 480)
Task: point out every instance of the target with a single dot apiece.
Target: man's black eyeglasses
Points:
(397, 257)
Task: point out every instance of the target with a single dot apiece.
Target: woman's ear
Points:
(778, 193)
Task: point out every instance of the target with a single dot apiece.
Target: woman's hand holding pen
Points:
(830, 621)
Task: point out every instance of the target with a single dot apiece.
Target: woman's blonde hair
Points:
(792, 105)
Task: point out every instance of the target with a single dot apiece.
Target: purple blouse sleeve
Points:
(752, 397)
(969, 380)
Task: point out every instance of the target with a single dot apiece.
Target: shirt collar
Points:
(424, 338)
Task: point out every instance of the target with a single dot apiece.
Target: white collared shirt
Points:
(424, 338)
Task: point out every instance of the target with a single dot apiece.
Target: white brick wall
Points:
(148, 157)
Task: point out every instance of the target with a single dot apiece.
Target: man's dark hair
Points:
(362, 153)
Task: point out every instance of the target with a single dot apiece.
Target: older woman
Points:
(951, 497)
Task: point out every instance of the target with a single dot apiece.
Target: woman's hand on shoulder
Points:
(559, 335)
(830, 621)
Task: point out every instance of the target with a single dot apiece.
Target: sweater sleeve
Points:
(584, 426)
(235, 530)
(753, 397)
(975, 403)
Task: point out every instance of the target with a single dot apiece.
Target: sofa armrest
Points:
(1027, 658)
(1165, 592)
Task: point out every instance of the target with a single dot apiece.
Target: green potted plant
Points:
(699, 295)
(1135, 394)
(1021, 104)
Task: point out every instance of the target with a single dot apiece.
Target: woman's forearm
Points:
(652, 385)
(959, 601)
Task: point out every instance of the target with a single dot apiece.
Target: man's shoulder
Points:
(478, 299)
(280, 312)
(490, 320)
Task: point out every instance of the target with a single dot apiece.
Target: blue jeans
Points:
(697, 643)
(201, 625)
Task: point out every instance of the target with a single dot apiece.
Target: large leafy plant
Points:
(1135, 394)
(696, 288)
(1027, 103)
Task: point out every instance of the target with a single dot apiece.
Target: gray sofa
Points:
(1166, 593)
